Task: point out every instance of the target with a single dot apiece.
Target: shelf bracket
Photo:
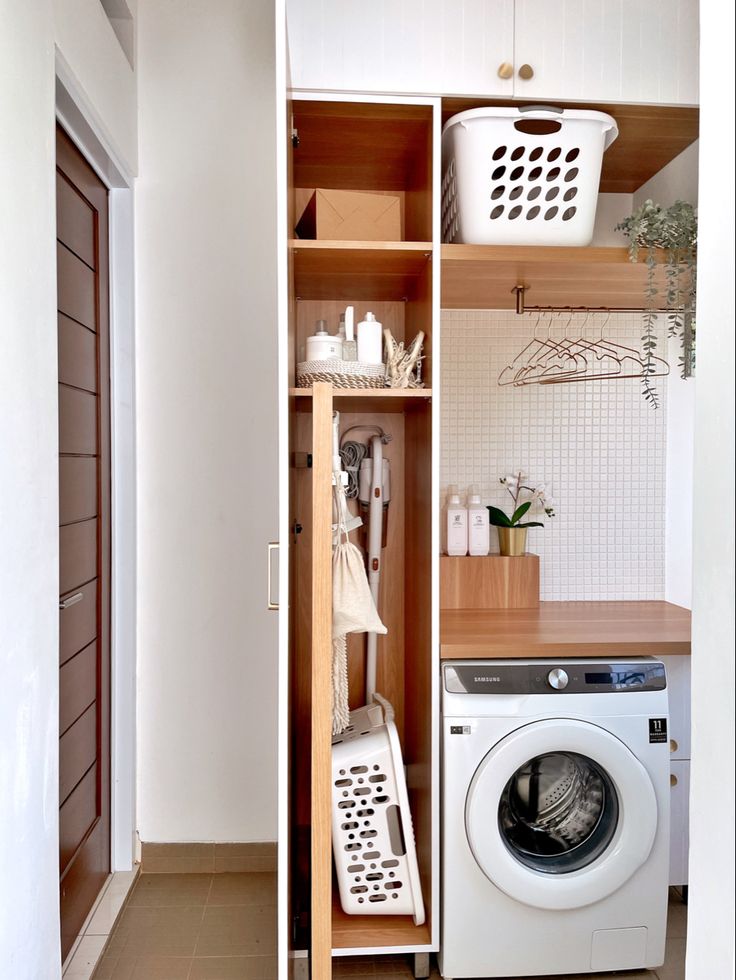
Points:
(519, 290)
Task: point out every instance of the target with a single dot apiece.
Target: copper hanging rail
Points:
(522, 308)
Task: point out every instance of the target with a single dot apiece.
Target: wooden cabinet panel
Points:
(77, 686)
(78, 623)
(608, 50)
(77, 421)
(75, 287)
(77, 354)
(77, 488)
(75, 221)
(77, 554)
(77, 751)
(76, 817)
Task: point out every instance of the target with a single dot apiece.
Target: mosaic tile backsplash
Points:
(598, 446)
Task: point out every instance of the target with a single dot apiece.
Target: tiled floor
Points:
(195, 927)
(223, 927)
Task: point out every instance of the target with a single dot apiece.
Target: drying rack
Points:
(522, 307)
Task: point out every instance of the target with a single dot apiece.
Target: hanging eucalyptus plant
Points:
(675, 231)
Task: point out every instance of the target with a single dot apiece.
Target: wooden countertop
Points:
(570, 629)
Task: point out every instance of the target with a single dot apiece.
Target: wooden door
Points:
(84, 536)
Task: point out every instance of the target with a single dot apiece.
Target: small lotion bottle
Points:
(457, 524)
(370, 340)
(479, 536)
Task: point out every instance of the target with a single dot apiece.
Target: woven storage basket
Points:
(523, 176)
(340, 374)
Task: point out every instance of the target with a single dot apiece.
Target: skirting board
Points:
(490, 582)
(207, 857)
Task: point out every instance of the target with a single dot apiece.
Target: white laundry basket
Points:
(523, 176)
(372, 833)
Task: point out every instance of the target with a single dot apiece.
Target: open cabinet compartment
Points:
(405, 661)
(365, 146)
(379, 147)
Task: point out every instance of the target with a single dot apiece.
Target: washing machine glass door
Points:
(560, 814)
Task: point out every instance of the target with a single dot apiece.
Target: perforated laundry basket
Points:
(372, 832)
(523, 176)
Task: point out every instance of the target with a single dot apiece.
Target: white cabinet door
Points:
(450, 47)
(608, 50)
(678, 691)
(679, 821)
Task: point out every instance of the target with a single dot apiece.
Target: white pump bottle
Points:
(457, 524)
(479, 531)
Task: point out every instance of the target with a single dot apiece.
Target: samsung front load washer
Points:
(555, 806)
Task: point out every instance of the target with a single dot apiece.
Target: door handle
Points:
(71, 600)
(272, 546)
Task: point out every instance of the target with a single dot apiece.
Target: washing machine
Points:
(555, 807)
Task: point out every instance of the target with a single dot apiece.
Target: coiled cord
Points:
(352, 455)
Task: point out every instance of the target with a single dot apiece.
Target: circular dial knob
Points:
(557, 679)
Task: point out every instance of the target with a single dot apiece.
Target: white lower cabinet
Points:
(679, 821)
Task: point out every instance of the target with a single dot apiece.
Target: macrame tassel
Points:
(340, 709)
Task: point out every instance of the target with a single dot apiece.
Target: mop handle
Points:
(375, 534)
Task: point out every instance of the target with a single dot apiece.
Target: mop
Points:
(372, 832)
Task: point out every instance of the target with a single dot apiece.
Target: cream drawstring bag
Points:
(353, 610)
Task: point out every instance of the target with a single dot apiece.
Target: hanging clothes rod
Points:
(521, 306)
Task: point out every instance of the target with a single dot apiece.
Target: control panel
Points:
(571, 677)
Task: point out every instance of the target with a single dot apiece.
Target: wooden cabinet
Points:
(388, 146)
(582, 50)
(448, 46)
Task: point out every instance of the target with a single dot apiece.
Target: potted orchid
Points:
(511, 529)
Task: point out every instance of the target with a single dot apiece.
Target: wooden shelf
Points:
(483, 277)
(566, 629)
(649, 136)
(366, 399)
(358, 270)
(367, 931)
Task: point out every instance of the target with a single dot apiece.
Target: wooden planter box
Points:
(491, 582)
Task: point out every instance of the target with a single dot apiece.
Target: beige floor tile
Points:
(237, 931)
(163, 931)
(157, 890)
(676, 920)
(234, 968)
(146, 966)
(674, 963)
(256, 888)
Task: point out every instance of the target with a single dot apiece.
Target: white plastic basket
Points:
(525, 175)
(372, 832)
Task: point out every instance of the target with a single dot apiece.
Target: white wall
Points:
(29, 586)
(710, 949)
(206, 354)
(677, 181)
(93, 65)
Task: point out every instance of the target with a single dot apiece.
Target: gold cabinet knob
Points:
(673, 779)
(526, 72)
(673, 745)
(505, 69)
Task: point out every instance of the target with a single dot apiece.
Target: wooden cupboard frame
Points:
(336, 144)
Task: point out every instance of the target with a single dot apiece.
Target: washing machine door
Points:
(560, 813)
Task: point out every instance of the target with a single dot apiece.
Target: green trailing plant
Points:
(515, 485)
(673, 230)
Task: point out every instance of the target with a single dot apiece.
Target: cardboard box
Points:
(348, 216)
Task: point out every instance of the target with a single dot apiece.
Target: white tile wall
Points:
(599, 445)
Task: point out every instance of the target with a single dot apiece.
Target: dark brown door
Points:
(84, 536)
